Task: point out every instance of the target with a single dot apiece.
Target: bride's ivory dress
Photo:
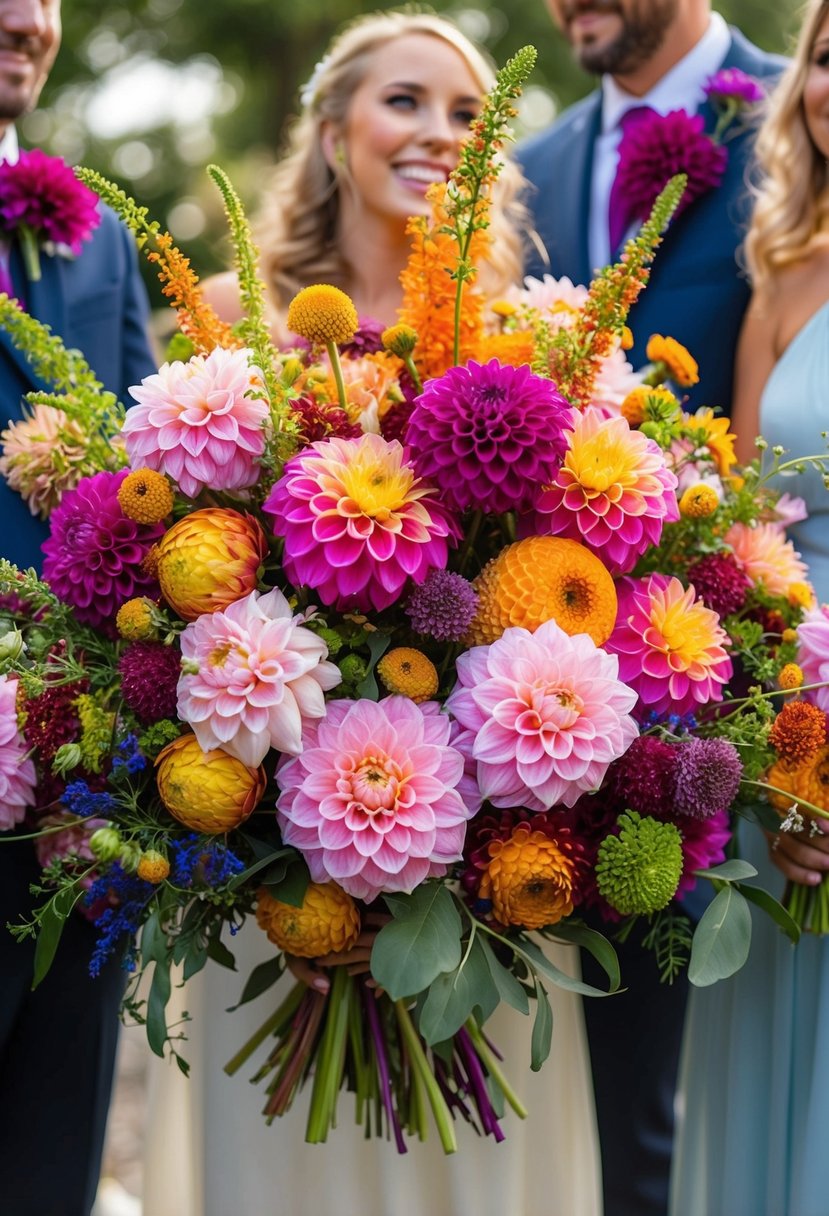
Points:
(210, 1153)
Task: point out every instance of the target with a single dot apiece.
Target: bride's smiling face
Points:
(816, 91)
(404, 126)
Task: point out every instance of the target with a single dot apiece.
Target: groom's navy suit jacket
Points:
(696, 292)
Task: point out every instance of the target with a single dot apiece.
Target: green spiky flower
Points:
(638, 871)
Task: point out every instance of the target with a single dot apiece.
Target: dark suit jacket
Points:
(97, 304)
(697, 293)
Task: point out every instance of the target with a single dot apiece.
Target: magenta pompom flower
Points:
(613, 492)
(655, 149)
(254, 676)
(149, 679)
(358, 523)
(704, 843)
(377, 800)
(488, 435)
(813, 654)
(94, 553)
(202, 423)
(731, 85)
(17, 772)
(42, 199)
(546, 713)
(671, 647)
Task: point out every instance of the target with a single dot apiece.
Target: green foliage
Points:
(669, 937)
(722, 938)
(422, 940)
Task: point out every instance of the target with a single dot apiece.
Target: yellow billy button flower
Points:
(791, 676)
(681, 366)
(408, 672)
(789, 635)
(135, 620)
(209, 559)
(529, 880)
(399, 339)
(209, 792)
(800, 595)
(146, 496)
(153, 866)
(699, 501)
(322, 314)
(328, 921)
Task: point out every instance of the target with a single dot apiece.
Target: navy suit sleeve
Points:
(137, 359)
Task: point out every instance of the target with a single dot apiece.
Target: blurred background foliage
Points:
(150, 91)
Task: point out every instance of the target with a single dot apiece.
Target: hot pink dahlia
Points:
(671, 647)
(261, 677)
(704, 843)
(94, 553)
(613, 491)
(201, 422)
(488, 435)
(17, 772)
(377, 799)
(547, 715)
(766, 557)
(150, 673)
(358, 523)
(813, 653)
(42, 193)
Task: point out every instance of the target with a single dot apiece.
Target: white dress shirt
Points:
(679, 89)
(9, 149)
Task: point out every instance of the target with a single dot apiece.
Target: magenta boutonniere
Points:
(658, 146)
(44, 204)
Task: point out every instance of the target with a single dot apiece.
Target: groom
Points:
(655, 53)
(57, 1044)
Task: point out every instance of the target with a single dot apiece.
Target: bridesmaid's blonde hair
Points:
(297, 225)
(792, 205)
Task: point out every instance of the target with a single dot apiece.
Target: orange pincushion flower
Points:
(209, 792)
(408, 672)
(529, 880)
(145, 496)
(328, 921)
(699, 501)
(209, 559)
(544, 578)
(322, 314)
(798, 732)
(681, 365)
(809, 781)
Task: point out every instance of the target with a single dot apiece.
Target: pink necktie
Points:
(618, 216)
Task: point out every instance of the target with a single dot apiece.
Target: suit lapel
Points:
(44, 299)
(574, 187)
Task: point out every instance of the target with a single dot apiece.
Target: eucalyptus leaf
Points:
(773, 908)
(157, 1008)
(261, 863)
(722, 939)
(597, 945)
(218, 951)
(423, 940)
(153, 940)
(292, 887)
(509, 988)
(455, 994)
(538, 960)
(378, 644)
(194, 961)
(261, 979)
(729, 871)
(542, 1037)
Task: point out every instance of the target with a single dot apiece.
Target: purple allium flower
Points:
(149, 676)
(488, 435)
(707, 777)
(42, 193)
(703, 845)
(730, 84)
(720, 583)
(443, 606)
(655, 149)
(94, 553)
(643, 778)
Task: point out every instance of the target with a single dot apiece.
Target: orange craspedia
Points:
(209, 559)
(790, 677)
(529, 879)
(798, 732)
(322, 314)
(699, 501)
(153, 866)
(209, 792)
(409, 672)
(145, 496)
(682, 366)
(543, 578)
(328, 921)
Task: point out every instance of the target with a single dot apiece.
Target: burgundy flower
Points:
(720, 583)
(149, 677)
(42, 193)
(318, 421)
(443, 606)
(51, 719)
(643, 778)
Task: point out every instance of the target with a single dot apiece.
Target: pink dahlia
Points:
(358, 523)
(671, 647)
(813, 653)
(94, 553)
(377, 801)
(766, 557)
(261, 677)
(41, 193)
(558, 300)
(547, 715)
(17, 772)
(202, 423)
(613, 491)
(704, 843)
(150, 673)
(489, 435)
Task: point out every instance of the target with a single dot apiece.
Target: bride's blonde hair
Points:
(792, 205)
(297, 225)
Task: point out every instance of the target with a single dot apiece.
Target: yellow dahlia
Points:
(408, 672)
(529, 879)
(681, 366)
(699, 501)
(544, 578)
(146, 496)
(210, 559)
(209, 792)
(322, 314)
(135, 620)
(153, 866)
(328, 921)
(791, 676)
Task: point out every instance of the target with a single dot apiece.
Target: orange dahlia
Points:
(328, 921)
(798, 732)
(809, 781)
(529, 879)
(209, 792)
(210, 559)
(543, 578)
(681, 366)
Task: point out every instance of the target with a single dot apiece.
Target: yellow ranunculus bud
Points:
(328, 921)
(210, 559)
(208, 792)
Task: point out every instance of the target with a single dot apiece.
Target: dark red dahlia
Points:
(149, 677)
(720, 583)
(322, 421)
(643, 778)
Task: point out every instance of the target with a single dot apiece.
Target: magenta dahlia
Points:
(488, 435)
(94, 553)
(720, 582)
(358, 522)
(149, 678)
(704, 843)
(733, 85)
(41, 193)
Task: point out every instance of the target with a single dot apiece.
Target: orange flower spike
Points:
(180, 284)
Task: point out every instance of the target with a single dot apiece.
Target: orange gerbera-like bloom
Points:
(766, 557)
(371, 388)
(543, 578)
(529, 879)
(328, 921)
(681, 366)
(718, 438)
(798, 732)
(808, 780)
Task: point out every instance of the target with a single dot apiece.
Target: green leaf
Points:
(509, 988)
(596, 944)
(454, 994)
(774, 909)
(291, 889)
(378, 644)
(194, 961)
(273, 855)
(722, 939)
(729, 871)
(542, 1027)
(156, 1008)
(260, 979)
(49, 934)
(153, 940)
(423, 940)
(539, 961)
(218, 951)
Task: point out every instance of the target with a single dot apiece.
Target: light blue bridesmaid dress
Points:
(753, 1137)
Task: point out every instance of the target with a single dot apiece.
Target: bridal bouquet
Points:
(418, 643)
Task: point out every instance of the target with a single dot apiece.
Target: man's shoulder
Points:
(575, 123)
(751, 59)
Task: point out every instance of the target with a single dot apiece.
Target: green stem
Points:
(809, 806)
(30, 249)
(337, 368)
(286, 1010)
(329, 1066)
(415, 375)
(422, 1071)
(471, 537)
(493, 1067)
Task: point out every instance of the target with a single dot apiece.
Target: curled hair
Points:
(792, 199)
(297, 224)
